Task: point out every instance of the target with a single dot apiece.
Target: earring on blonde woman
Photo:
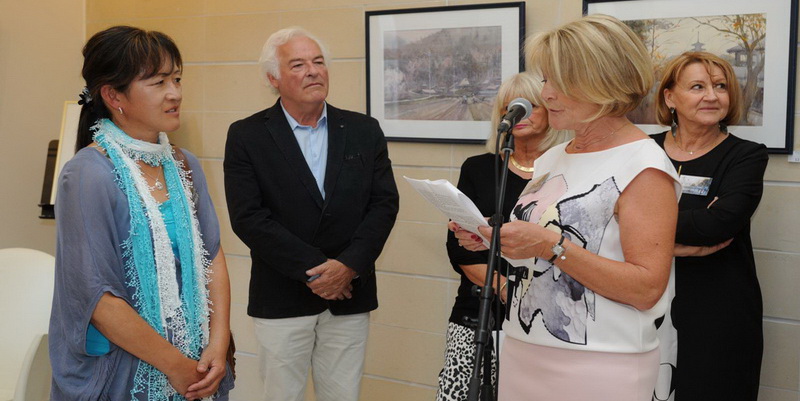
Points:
(674, 127)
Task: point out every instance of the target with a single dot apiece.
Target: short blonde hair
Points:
(596, 59)
(673, 71)
(528, 87)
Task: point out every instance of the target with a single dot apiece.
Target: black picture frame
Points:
(769, 117)
(441, 108)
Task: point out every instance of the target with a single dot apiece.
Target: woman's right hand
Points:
(212, 366)
(466, 239)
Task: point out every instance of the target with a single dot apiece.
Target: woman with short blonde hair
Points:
(598, 222)
(597, 59)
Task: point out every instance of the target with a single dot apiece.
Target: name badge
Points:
(695, 185)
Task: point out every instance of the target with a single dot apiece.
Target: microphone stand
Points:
(482, 350)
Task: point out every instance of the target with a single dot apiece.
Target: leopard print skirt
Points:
(458, 361)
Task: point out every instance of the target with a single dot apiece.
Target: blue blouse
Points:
(96, 343)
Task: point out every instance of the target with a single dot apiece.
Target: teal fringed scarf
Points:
(178, 311)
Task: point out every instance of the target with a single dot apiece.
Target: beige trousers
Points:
(332, 346)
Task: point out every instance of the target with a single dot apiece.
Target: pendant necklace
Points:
(692, 152)
(157, 185)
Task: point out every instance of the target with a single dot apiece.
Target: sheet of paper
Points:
(459, 208)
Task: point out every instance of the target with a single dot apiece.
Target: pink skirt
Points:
(537, 373)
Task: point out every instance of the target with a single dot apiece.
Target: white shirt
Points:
(576, 195)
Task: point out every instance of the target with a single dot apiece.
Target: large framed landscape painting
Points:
(432, 73)
(758, 38)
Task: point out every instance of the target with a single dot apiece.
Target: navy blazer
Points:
(278, 211)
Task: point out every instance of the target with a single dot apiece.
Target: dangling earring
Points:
(723, 127)
(120, 110)
(674, 127)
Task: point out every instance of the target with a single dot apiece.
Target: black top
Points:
(477, 182)
(717, 309)
(278, 211)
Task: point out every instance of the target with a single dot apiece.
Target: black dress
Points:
(477, 182)
(717, 310)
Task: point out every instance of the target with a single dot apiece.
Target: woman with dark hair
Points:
(717, 309)
(139, 266)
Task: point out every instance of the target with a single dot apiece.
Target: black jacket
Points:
(277, 210)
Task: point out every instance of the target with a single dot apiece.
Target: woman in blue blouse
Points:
(139, 268)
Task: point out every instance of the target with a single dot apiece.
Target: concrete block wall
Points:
(221, 42)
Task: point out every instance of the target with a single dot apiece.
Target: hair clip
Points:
(85, 96)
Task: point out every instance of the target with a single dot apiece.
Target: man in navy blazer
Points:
(310, 191)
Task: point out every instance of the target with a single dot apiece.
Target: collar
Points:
(294, 124)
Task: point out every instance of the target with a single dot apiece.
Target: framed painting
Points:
(59, 152)
(758, 38)
(433, 73)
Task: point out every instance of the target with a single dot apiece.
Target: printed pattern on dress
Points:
(564, 304)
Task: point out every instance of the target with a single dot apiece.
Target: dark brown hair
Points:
(117, 56)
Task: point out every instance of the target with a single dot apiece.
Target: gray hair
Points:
(269, 63)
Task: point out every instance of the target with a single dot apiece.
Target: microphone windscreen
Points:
(521, 102)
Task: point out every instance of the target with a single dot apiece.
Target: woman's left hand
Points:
(212, 364)
(466, 239)
(523, 240)
(698, 251)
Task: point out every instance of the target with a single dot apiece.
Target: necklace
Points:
(692, 152)
(519, 166)
(157, 185)
(581, 147)
(153, 154)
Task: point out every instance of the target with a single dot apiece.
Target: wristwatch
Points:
(558, 250)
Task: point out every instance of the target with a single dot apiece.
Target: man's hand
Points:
(333, 282)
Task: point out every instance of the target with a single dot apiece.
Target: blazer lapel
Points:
(336, 141)
(281, 133)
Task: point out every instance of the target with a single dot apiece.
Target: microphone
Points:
(518, 110)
